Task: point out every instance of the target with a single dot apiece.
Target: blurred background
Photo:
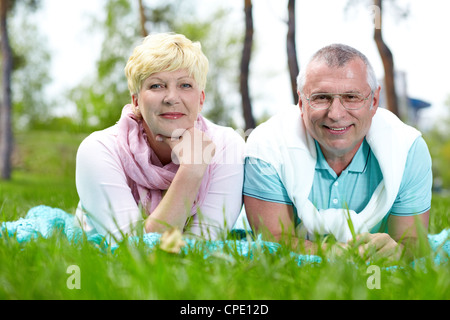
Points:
(62, 66)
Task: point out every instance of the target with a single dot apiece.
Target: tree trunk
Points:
(388, 63)
(142, 19)
(245, 66)
(6, 137)
(291, 50)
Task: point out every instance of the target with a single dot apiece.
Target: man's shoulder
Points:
(283, 125)
(419, 153)
(285, 115)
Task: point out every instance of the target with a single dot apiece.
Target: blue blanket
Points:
(43, 221)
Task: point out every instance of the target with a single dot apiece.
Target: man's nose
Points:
(336, 110)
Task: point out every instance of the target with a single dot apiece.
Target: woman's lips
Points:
(171, 115)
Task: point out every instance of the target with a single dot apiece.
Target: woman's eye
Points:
(156, 86)
(186, 85)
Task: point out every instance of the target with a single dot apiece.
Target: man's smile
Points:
(338, 129)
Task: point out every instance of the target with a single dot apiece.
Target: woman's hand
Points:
(190, 147)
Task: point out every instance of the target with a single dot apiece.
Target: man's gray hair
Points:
(337, 56)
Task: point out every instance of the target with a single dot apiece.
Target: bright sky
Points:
(419, 43)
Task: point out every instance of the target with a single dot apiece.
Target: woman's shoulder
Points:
(98, 140)
(222, 133)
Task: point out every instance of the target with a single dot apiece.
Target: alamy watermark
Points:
(375, 12)
(74, 280)
(374, 280)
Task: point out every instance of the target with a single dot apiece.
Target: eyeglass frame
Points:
(333, 95)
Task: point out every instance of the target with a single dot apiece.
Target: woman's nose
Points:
(171, 96)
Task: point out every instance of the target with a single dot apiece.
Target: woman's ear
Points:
(135, 102)
(202, 100)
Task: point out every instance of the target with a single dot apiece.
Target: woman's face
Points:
(169, 100)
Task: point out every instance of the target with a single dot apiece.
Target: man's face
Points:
(339, 132)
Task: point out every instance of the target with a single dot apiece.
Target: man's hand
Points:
(377, 246)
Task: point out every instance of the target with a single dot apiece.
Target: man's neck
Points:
(339, 161)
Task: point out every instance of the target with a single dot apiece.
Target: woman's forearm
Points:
(175, 207)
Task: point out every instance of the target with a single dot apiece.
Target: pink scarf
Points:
(146, 175)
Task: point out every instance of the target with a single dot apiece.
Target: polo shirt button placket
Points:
(335, 193)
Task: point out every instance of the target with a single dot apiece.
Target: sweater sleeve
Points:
(106, 200)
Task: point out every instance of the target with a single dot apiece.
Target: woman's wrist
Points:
(194, 171)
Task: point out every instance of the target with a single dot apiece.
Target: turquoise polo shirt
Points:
(355, 185)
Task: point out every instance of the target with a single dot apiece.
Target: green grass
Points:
(44, 174)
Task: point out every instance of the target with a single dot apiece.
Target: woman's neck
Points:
(161, 149)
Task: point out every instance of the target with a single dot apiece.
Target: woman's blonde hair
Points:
(165, 52)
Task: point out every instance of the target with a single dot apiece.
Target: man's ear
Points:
(300, 102)
(376, 99)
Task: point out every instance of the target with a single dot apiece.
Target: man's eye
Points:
(321, 98)
(352, 97)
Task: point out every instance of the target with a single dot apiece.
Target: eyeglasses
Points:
(350, 101)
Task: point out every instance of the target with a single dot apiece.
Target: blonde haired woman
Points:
(162, 157)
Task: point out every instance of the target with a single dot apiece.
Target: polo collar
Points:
(358, 164)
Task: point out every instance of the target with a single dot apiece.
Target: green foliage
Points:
(44, 173)
(100, 99)
(438, 140)
(31, 61)
(439, 213)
